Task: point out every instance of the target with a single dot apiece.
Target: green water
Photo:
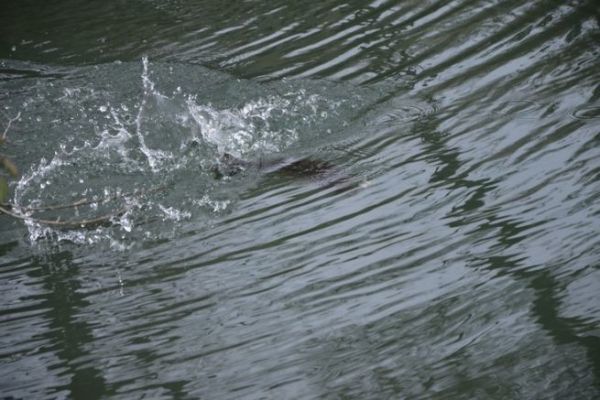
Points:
(450, 251)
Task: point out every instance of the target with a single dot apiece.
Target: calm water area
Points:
(300, 200)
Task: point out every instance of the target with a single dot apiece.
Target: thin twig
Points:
(82, 202)
(85, 201)
(73, 224)
(70, 224)
(10, 121)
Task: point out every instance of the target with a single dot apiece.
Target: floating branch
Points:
(85, 201)
(68, 224)
(74, 224)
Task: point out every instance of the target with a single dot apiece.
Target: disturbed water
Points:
(450, 250)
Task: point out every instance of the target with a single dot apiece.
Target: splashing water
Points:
(116, 143)
(154, 156)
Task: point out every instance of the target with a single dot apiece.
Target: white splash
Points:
(174, 214)
(215, 205)
(126, 139)
(245, 130)
(154, 157)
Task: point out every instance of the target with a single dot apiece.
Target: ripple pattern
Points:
(457, 258)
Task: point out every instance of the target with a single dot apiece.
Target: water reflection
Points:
(67, 335)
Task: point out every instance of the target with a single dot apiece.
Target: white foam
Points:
(215, 205)
(173, 214)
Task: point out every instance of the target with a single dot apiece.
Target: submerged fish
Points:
(229, 165)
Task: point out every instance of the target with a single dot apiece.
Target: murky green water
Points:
(451, 249)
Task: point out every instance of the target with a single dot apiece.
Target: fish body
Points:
(229, 165)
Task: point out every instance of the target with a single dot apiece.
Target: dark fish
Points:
(229, 165)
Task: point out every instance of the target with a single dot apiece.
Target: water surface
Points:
(457, 256)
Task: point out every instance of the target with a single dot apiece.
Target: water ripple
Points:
(449, 251)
